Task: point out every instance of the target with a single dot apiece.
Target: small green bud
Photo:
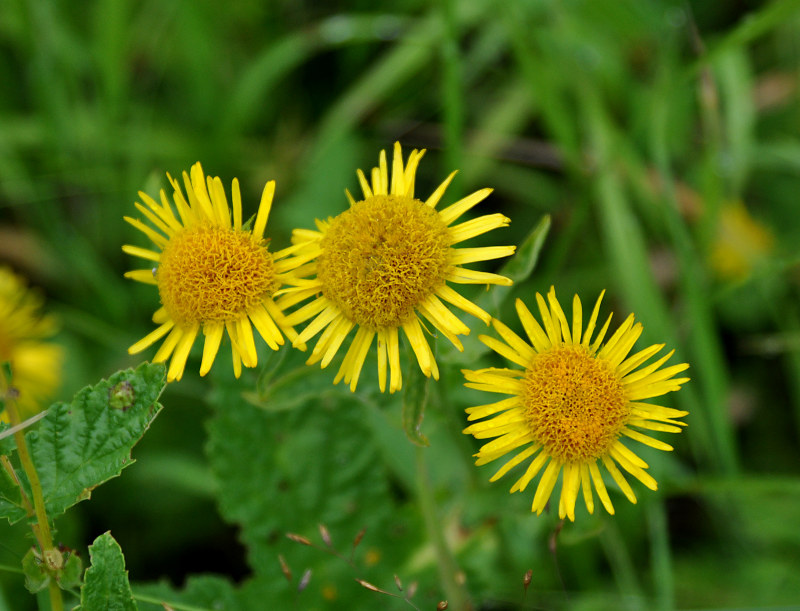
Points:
(121, 396)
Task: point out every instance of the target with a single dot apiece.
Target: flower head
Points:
(212, 274)
(35, 364)
(384, 264)
(572, 403)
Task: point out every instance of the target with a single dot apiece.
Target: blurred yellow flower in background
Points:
(384, 265)
(212, 274)
(572, 403)
(35, 363)
(740, 244)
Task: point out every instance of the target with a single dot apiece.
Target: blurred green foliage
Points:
(634, 125)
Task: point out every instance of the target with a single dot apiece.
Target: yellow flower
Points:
(572, 403)
(384, 262)
(35, 364)
(741, 243)
(211, 273)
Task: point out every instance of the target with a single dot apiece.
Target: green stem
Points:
(42, 527)
(457, 597)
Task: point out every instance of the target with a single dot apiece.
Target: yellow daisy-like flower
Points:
(212, 274)
(35, 364)
(384, 262)
(572, 403)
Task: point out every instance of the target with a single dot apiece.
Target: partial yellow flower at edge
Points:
(36, 365)
(571, 404)
(384, 265)
(212, 275)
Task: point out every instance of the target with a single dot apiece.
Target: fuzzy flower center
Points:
(381, 258)
(209, 273)
(575, 403)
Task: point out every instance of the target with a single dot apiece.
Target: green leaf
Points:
(415, 400)
(70, 574)
(106, 583)
(80, 445)
(36, 576)
(7, 445)
(284, 471)
(201, 592)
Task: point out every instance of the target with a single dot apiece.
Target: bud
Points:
(298, 538)
(53, 559)
(287, 572)
(121, 396)
(304, 581)
(326, 536)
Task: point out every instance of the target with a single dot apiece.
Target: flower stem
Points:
(457, 596)
(42, 527)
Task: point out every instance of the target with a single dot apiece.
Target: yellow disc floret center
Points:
(575, 403)
(382, 257)
(213, 274)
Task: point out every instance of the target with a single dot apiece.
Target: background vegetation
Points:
(662, 139)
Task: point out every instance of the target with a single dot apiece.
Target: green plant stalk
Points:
(622, 566)
(457, 597)
(42, 527)
(660, 555)
(452, 91)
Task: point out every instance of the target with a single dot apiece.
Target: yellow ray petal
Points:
(151, 338)
(263, 210)
(475, 227)
(545, 487)
(619, 478)
(454, 298)
(141, 275)
(142, 253)
(586, 485)
(155, 237)
(460, 256)
(419, 345)
(178, 361)
(453, 211)
(600, 486)
(526, 453)
(587, 335)
(434, 198)
(213, 333)
(577, 321)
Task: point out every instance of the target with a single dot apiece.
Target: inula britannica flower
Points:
(572, 404)
(383, 265)
(212, 274)
(35, 363)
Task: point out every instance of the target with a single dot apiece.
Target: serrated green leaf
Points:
(36, 577)
(80, 445)
(7, 445)
(415, 400)
(10, 494)
(70, 575)
(10, 497)
(289, 471)
(106, 583)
